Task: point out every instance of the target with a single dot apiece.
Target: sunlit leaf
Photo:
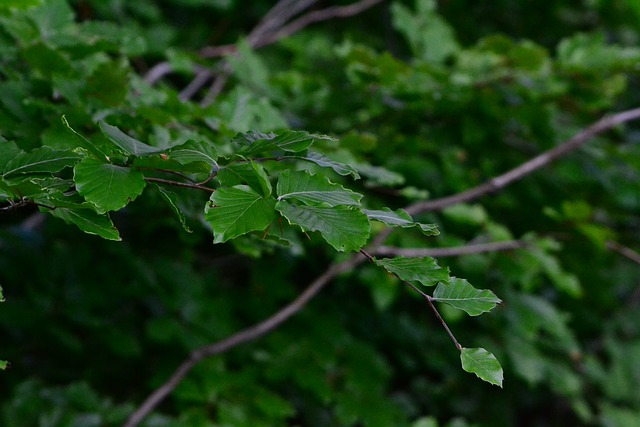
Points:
(314, 189)
(400, 218)
(460, 294)
(482, 363)
(237, 210)
(108, 187)
(345, 228)
(423, 270)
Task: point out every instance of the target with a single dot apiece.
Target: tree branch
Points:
(246, 335)
(624, 251)
(450, 252)
(528, 167)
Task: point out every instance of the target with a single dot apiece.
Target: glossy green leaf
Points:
(313, 189)
(325, 162)
(128, 144)
(41, 160)
(423, 270)
(482, 363)
(460, 294)
(87, 220)
(172, 200)
(237, 210)
(400, 218)
(108, 187)
(345, 228)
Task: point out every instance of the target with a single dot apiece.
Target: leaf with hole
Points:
(482, 363)
(238, 210)
(460, 294)
(108, 187)
(422, 270)
(313, 189)
(345, 228)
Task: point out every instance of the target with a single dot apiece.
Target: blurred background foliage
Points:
(427, 98)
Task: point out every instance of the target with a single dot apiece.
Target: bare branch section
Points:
(450, 252)
(538, 162)
(246, 335)
(625, 251)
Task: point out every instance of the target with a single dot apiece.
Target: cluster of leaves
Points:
(434, 122)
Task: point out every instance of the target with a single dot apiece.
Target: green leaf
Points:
(194, 151)
(237, 210)
(290, 141)
(128, 144)
(8, 152)
(19, 4)
(314, 189)
(400, 218)
(249, 173)
(482, 363)
(108, 187)
(1, 295)
(460, 294)
(423, 270)
(325, 162)
(4, 364)
(87, 220)
(172, 200)
(85, 143)
(345, 228)
(41, 160)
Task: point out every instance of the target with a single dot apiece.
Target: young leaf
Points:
(108, 187)
(84, 142)
(238, 210)
(345, 228)
(171, 198)
(460, 294)
(129, 145)
(325, 162)
(400, 218)
(314, 189)
(482, 363)
(41, 160)
(423, 270)
(87, 220)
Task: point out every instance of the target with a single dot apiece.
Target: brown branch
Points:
(624, 251)
(246, 335)
(528, 167)
(450, 252)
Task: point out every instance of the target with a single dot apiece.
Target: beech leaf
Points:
(108, 187)
(128, 144)
(345, 228)
(423, 270)
(460, 294)
(237, 210)
(41, 160)
(482, 363)
(402, 219)
(325, 162)
(314, 189)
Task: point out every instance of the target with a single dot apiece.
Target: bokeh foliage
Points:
(426, 100)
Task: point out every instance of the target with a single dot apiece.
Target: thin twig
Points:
(451, 252)
(528, 167)
(246, 335)
(180, 184)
